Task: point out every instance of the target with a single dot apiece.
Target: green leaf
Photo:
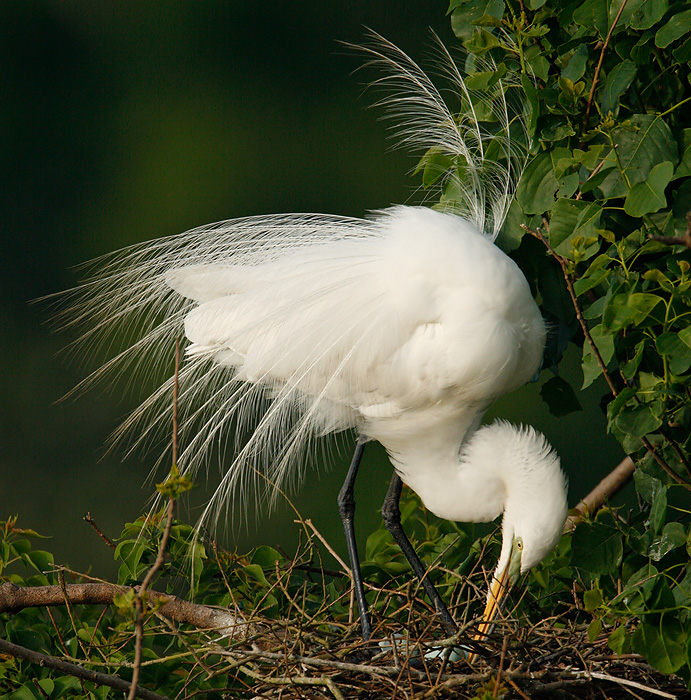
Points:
(641, 144)
(570, 219)
(604, 342)
(638, 588)
(266, 557)
(616, 83)
(670, 344)
(638, 421)
(597, 548)
(663, 645)
(254, 571)
(684, 169)
(685, 336)
(559, 397)
(594, 629)
(673, 536)
(511, 233)
(539, 184)
(627, 309)
(466, 15)
(643, 14)
(649, 196)
(676, 27)
(22, 693)
(646, 485)
(658, 510)
(592, 599)
(434, 164)
(619, 641)
(593, 13)
(485, 79)
(629, 369)
(40, 560)
(481, 41)
(576, 64)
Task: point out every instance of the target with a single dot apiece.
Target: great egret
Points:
(404, 326)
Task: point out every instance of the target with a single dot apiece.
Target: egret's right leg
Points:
(392, 519)
(346, 507)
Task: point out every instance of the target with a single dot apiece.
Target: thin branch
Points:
(574, 300)
(610, 485)
(107, 540)
(75, 670)
(598, 357)
(176, 389)
(684, 240)
(596, 77)
(624, 682)
(139, 602)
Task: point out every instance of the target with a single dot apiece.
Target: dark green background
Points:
(130, 120)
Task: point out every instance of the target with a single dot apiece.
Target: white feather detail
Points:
(486, 137)
(300, 325)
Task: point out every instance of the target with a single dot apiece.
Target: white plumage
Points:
(404, 326)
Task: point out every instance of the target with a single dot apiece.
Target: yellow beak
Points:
(497, 593)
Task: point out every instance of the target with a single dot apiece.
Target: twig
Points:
(584, 327)
(610, 485)
(512, 683)
(623, 681)
(577, 307)
(75, 670)
(329, 548)
(107, 540)
(139, 598)
(504, 647)
(596, 77)
(684, 240)
(176, 385)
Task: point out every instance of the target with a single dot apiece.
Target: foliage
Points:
(606, 247)
(605, 196)
(299, 599)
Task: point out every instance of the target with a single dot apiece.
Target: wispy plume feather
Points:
(283, 317)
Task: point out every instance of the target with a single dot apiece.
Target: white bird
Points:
(404, 326)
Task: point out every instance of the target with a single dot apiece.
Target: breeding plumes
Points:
(403, 326)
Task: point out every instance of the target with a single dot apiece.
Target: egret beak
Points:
(496, 596)
(498, 590)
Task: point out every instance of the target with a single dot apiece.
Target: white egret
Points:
(404, 326)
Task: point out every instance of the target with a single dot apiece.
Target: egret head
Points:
(534, 511)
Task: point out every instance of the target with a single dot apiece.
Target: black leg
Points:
(346, 507)
(392, 520)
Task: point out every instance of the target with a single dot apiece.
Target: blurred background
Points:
(127, 121)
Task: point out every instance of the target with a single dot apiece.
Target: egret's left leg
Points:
(392, 519)
(346, 507)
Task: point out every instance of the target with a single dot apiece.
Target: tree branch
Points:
(596, 77)
(584, 327)
(14, 598)
(608, 487)
(577, 307)
(75, 670)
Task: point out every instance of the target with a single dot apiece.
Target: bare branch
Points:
(610, 485)
(14, 598)
(596, 77)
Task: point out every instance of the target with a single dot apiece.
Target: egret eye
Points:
(519, 543)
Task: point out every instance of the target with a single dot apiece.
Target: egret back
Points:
(299, 325)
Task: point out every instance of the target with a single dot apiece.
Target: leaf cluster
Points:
(600, 227)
